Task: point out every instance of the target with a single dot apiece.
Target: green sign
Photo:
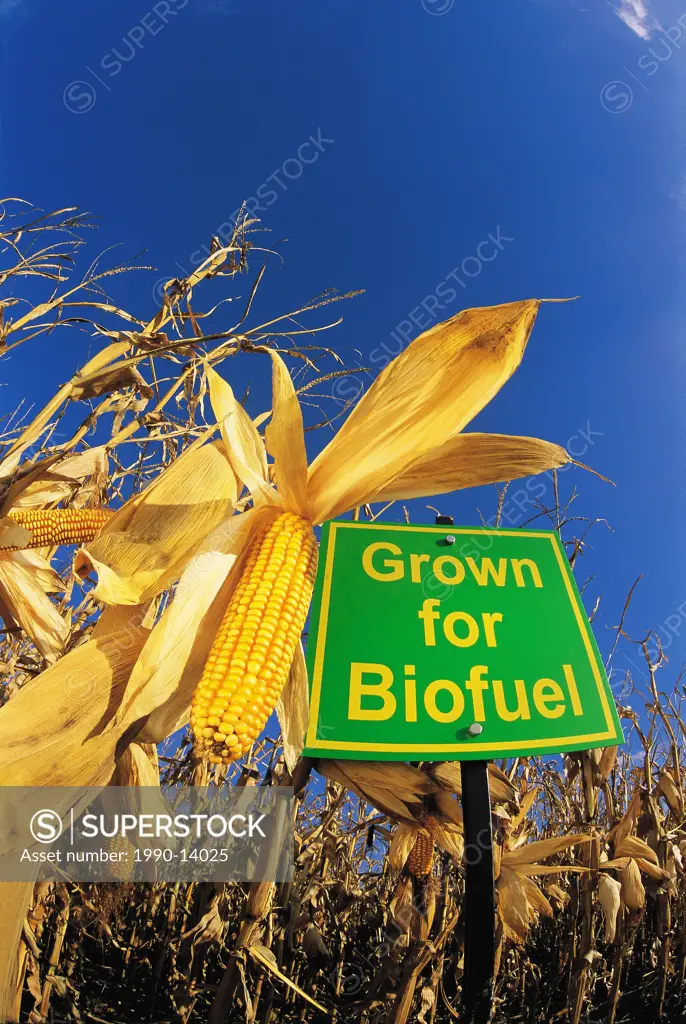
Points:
(443, 643)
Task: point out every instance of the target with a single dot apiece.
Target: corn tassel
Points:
(50, 527)
(252, 654)
(421, 858)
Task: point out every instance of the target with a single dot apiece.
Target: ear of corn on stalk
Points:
(50, 527)
(251, 657)
(421, 858)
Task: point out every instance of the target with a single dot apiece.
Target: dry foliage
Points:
(590, 850)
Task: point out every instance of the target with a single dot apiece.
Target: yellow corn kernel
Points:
(252, 654)
(50, 527)
(421, 858)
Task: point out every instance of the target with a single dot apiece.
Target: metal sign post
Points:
(479, 901)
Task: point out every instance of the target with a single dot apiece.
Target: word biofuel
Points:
(377, 691)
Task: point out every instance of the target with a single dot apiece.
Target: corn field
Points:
(155, 577)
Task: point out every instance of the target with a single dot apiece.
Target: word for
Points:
(445, 701)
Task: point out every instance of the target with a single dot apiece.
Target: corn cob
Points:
(421, 858)
(50, 527)
(252, 654)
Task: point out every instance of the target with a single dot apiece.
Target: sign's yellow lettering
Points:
(545, 692)
(501, 707)
(394, 567)
(456, 574)
(518, 563)
(433, 689)
(486, 570)
(490, 619)
(476, 686)
(460, 628)
(375, 691)
(428, 613)
(410, 694)
(472, 634)
(448, 570)
(573, 690)
(416, 562)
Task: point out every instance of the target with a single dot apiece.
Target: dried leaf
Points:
(532, 852)
(632, 846)
(264, 956)
(244, 446)
(535, 897)
(109, 379)
(54, 479)
(293, 710)
(420, 400)
(63, 726)
(36, 427)
(286, 441)
(450, 839)
(628, 820)
(401, 846)
(25, 599)
(448, 775)
(446, 807)
(15, 899)
(473, 460)
(652, 869)
(137, 766)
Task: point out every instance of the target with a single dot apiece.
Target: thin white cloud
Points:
(635, 14)
(7, 6)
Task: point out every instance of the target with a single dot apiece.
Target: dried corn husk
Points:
(513, 907)
(148, 542)
(609, 895)
(401, 845)
(81, 693)
(632, 891)
(669, 790)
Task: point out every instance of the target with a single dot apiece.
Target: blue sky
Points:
(438, 127)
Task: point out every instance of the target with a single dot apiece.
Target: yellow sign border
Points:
(313, 743)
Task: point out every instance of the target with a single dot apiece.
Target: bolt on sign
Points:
(445, 643)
